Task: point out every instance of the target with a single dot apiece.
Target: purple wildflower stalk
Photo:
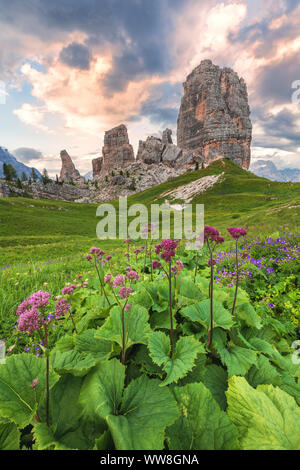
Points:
(102, 288)
(170, 309)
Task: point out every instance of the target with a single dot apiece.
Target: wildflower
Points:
(34, 383)
(88, 257)
(127, 307)
(156, 264)
(132, 275)
(68, 289)
(119, 280)
(128, 240)
(237, 232)
(167, 249)
(30, 321)
(107, 278)
(39, 299)
(125, 292)
(62, 308)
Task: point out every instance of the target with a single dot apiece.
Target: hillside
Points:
(42, 229)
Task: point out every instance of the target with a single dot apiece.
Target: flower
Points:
(128, 240)
(107, 278)
(167, 249)
(125, 292)
(210, 233)
(68, 289)
(237, 232)
(88, 257)
(119, 280)
(127, 307)
(62, 308)
(34, 383)
(132, 275)
(156, 264)
(39, 299)
(30, 320)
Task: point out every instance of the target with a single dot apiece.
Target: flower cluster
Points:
(119, 280)
(166, 249)
(156, 264)
(125, 292)
(68, 289)
(237, 232)
(212, 234)
(133, 275)
(30, 320)
(62, 308)
(39, 299)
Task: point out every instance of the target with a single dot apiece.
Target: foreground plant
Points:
(236, 233)
(97, 255)
(166, 249)
(32, 317)
(211, 238)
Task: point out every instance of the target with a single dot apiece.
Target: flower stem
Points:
(101, 284)
(196, 267)
(123, 336)
(237, 276)
(170, 307)
(47, 376)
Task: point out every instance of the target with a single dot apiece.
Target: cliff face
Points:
(68, 171)
(117, 150)
(213, 119)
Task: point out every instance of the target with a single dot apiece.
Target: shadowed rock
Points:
(68, 171)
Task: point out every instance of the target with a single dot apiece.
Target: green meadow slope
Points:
(42, 229)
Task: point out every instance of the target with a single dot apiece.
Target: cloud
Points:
(25, 154)
(76, 55)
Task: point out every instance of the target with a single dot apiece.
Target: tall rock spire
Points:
(213, 119)
(68, 171)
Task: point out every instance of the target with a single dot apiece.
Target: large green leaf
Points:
(267, 418)
(202, 424)
(18, 401)
(145, 413)
(215, 379)
(238, 360)
(200, 312)
(64, 431)
(98, 348)
(136, 326)
(183, 359)
(263, 373)
(9, 437)
(142, 297)
(101, 391)
(71, 362)
(136, 421)
(246, 312)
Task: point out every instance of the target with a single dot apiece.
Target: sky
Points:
(70, 70)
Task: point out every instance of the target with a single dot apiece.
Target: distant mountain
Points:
(267, 169)
(88, 176)
(8, 158)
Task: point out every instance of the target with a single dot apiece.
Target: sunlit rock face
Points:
(214, 116)
(116, 151)
(68, 171)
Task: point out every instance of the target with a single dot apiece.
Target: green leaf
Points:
(86, 343)
(238, 360)
(9, 437)
(263, 373)
(18, 401)
(215, 379)
(186, 351)
(267, 418)
(142, 297)
(202, 424)
(136, 421)
(71, 362)
(246, 312)
(201, 312)
(136, 326)
(101, 391)
(65, 431)
(145, 413)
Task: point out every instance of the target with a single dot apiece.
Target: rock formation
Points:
(213, 119)
(117, 150)
(150, 151)
(97, 166)
(68, 172)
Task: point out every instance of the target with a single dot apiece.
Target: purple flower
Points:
(237, 232)
(39, 299)
(68, 289)
(167, 249)
(30, 321)
(119, 280)
(125, 292)
(62, 308)
(156, 264)
(132, 275)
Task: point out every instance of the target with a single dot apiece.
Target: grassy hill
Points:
(44, 229)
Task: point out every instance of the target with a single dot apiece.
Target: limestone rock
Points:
(167, 137)
(117, 150)
(97, 166)
(151, 150)
(68, 171)
(171, 154)
(213, 119)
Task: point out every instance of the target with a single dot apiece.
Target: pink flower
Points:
(68, 289)
(128, 240)
(30, 320)
(119, 280)
(88, 257)
(237, 232)
(62, 308)
(34, 383)
(156, 264)
(39, 299)
(107, 278)
(127, 307)
(167, 249)
(125, 292)
(23, 307)
(79, 276)
(132, 275)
